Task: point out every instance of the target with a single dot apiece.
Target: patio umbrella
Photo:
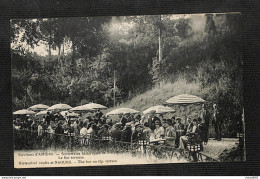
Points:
(41, 113)
(95, 106)
(159, 109)
(69, 114)
(185, 99)
(23, 112)
(38, 107)
(122, 111)
(59, 107)
(81, 108)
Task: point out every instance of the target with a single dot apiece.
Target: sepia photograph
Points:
(127, 90)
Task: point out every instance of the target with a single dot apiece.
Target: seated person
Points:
(147, 131)
(126, 133)
(138, 134)
(103, 133)
(84, 131)
(202, 133)
(158, 131)
(117, 132)
(170, 133)
(191, 130)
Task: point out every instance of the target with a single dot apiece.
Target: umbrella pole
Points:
(185, 108)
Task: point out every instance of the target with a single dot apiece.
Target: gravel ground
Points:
(214, 148)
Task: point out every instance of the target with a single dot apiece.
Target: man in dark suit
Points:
(48, 117)
(129, 117)
(122, 119)
(152, 119)
(217, 122)
(205, 118)
(99, 114)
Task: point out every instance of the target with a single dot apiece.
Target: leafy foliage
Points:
(199, 58)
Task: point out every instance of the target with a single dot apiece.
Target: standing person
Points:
(170, 133)
(122, 119)
(179, 127)
(48, 117)
(40, 131)
(138, 118)
(129, 117)
(217, 123)
(158, 131)
(99, 114)
(76, 128)
(152, 119)
(109, 122)
(205, 118)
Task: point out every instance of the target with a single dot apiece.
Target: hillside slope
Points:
(160, 93)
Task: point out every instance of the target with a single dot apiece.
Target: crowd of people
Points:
(127, 128)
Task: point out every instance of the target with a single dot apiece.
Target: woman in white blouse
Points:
(158, 131)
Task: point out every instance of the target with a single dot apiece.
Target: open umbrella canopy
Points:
(95, 106)
(41, 113)
(69, 114)
(23, 112)
(122, 111)
(159, 109)
(39, 107)
(81, 108)
(59, 107)
(185, 99)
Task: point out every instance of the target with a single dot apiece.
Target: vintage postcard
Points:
(95, 91)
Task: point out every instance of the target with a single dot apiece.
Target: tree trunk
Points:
(49, 51)
(63, 44)
(160, 53)
(59, 49)
(73, 50)
(160, 43)
(114, 88)
(50, 46)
